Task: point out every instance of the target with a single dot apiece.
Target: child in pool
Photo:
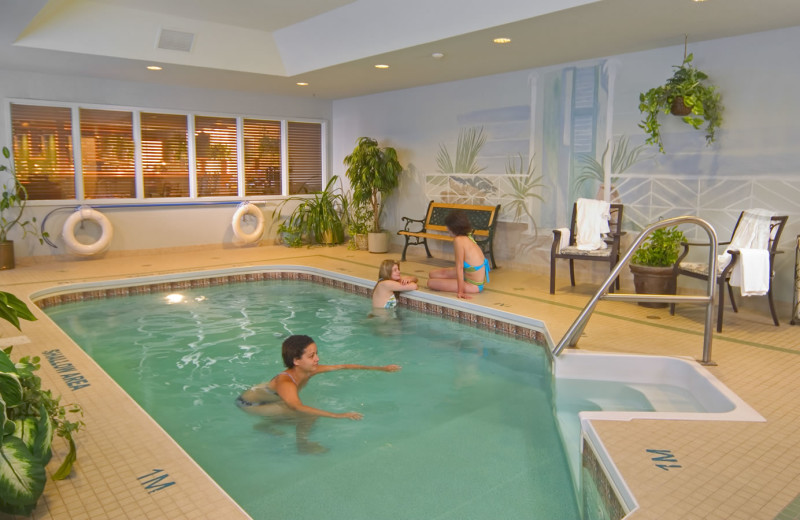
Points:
(279, 397)
(471, 271)
(390, 282)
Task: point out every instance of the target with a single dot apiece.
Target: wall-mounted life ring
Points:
(72, 222)
(238, 216)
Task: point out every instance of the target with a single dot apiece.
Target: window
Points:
(165, 162)
(42, 148)
(305, 157)
(128, 154)
(108, 166)
(262, 157)
(215, 152)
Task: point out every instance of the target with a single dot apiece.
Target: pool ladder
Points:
(570, 339)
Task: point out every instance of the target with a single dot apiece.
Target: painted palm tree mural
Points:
(623, 157)
(461, 179)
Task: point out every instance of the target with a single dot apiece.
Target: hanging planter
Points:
(686, 94)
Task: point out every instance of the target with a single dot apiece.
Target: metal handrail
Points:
(576, 329)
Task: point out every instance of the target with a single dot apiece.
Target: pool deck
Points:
(128, 467)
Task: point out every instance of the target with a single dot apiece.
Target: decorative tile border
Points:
(476, 320)
(599, 492)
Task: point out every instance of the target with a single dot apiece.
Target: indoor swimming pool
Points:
(466, 430)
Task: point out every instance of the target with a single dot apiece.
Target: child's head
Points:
(385, 270)
(293, 348)
(458, 223)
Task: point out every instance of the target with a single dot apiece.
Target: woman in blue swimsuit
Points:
(390, 281)
(279, 397)
(471, 271)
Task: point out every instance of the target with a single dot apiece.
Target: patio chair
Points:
(572, 252)
(700, 270)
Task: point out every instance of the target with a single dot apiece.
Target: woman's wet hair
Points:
(458, 222)
(385, 270)
(293, 348)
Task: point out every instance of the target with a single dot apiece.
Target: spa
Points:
(174, 190)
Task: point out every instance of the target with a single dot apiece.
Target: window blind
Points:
(107, 154)
(165, 163)
(262, 157)
(305, 157)
(216, 157)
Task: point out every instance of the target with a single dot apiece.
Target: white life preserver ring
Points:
(72, 222)
(248, 209)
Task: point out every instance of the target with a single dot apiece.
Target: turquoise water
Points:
(465, 431)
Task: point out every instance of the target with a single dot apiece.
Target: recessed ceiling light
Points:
(153, 67)
(302, 83)
(437, 55)
(502, 40)
(381, 66)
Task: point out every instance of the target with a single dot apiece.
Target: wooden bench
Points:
(482, 218)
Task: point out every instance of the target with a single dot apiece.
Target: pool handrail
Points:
(576, 329)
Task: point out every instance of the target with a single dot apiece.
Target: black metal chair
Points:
(572, 253)
(700, 270)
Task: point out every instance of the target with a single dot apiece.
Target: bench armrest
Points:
(413, 221)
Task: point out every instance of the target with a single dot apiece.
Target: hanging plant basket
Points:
(679, 108)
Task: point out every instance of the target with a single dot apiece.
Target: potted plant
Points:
(653, 264)
(318, 218)
(358, 222)
(13, 199)
(374, 173)
(686, 94)
(31, 417)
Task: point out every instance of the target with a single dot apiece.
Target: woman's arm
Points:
(287, 390)
(460, 253)
(331, 368)
(402, 285)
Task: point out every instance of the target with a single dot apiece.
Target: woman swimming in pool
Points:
(390, 282)
(471, 271)
(279, 397)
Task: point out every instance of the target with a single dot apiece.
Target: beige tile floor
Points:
(729, 470)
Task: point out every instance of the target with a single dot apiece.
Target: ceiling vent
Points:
(175, 40)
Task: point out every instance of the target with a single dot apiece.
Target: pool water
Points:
(465, 431)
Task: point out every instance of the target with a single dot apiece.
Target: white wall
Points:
(146, 228)
(754, 163)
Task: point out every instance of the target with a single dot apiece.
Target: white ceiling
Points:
(270, 45)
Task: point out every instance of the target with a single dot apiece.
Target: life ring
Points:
(72, 222)
(248, 209)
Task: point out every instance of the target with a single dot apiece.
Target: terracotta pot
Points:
(7, 254)
(653, 280)
(679, 108)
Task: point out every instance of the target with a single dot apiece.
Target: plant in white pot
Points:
(13, 199)
(374, 173)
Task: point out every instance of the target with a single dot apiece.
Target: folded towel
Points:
(592, 223)
(751, 233)
(751, 272)
(564, 242)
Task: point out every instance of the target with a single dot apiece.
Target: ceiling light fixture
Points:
(154, 67)
(502, 40)
(381, 66)
(302, 84)
(437, 55)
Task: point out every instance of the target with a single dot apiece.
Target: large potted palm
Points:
(374, 173)
(13, 199)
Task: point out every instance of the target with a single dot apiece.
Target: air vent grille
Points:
(172, 40)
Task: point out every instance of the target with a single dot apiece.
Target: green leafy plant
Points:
(374, 173)
(661, 248)
(622, 158)
(686, 89)
(319, 218)
(31, 417)
(523, 189)
(470, 141)
(13, 199)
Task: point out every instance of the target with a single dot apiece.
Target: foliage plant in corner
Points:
(30, 418)
(13, 199)
(686, 93)
(661, 248)
(374, 173)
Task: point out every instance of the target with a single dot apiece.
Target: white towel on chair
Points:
(564, 242)
(592, 223)
(751, 272)
(751, 233)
